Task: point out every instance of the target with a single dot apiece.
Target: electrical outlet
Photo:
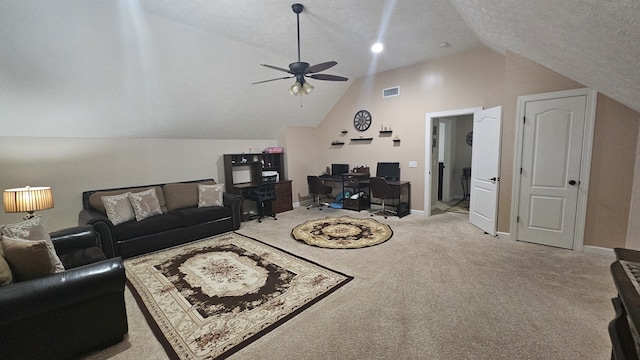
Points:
(413, 164)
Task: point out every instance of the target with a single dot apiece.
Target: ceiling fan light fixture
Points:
(295, 89)
(307, 88)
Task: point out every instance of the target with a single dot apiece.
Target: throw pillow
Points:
(145, 204)
(118, 208)
(30, 229)
(29, 259)
(6, 277)
(210, 195)
(182, 195)
(33, 229)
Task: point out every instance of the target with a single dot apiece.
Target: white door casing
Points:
(485, 169)
(552, 167)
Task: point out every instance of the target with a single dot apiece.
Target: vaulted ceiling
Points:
(184, 68)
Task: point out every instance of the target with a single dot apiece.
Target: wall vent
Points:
(389, 92)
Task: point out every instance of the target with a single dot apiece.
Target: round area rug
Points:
(342, 233)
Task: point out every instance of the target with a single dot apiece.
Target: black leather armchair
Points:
(68, 313)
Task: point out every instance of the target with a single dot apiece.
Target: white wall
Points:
(73, 165)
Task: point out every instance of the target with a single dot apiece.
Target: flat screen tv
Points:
(388, 170)
(339, 169)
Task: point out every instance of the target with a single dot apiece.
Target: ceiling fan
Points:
(301, 69)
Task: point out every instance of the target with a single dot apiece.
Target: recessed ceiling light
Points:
(376, 48)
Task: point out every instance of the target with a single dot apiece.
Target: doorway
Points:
(432, 155)
(453, 147)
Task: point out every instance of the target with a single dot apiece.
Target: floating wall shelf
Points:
(337, 143)
(386, 131)
(362, 139)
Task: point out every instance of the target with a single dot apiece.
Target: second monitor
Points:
(388, 170)
(339, 169)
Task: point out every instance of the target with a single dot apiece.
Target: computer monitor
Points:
(388, 170)
(339, 169)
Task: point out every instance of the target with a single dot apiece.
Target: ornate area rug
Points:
(342, 233)
(209, 298)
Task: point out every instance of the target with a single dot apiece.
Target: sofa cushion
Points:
(118, 208)
(145, 204)
(195, 215)
(33, 229)
(96, 202)
(82, 257)
(151, 225)
(182, 195)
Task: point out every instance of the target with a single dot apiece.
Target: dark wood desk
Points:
(282, 203)
(405, 197)
(405, 190)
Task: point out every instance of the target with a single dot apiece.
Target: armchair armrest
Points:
(235, 203)
(64, 315)
(103, 227)
(74, 239)
(29, 299)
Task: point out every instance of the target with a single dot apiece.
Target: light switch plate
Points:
(413, 164)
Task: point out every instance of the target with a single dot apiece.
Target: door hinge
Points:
(520, 171)
(524, 119)
(517, 219)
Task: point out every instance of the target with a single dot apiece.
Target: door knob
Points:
(493, 178)
(572, 182)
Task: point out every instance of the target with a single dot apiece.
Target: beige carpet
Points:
(438, 289)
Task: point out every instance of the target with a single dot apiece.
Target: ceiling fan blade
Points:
(320, 67)
(264, 81)
(276, 68)
(328, 77)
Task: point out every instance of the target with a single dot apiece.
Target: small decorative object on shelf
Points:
(396, 139)
(337, 142)
(344, 131)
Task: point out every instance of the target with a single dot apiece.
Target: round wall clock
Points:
(469, 139)
(362, 120)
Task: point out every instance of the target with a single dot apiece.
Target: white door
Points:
(485, 169)
(550, 170)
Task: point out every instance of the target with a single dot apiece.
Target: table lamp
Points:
(27, 199)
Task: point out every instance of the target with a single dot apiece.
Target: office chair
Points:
(382, 190)
(319, 190)
(263, 195)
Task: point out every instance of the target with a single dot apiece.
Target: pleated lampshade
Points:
(27, 199)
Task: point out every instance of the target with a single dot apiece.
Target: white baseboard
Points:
(599, 250)
(503, 235)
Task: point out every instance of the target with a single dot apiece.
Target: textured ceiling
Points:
(596, 43)
(184, 68)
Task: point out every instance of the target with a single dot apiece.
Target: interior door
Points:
(485, 169)
(550, 170)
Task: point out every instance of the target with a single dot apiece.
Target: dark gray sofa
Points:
(181, 220)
